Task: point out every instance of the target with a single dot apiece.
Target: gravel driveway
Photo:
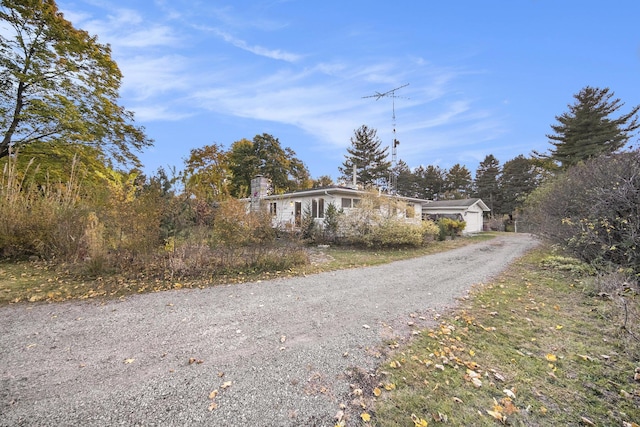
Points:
(278, 352)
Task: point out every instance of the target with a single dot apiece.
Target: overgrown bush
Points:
(43, 219)
(377, 223)
(134, 227)
(430, 231)
(450, 228)
(593, 210)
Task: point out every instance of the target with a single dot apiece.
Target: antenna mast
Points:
(393, 179)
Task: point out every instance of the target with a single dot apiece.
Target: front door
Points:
(298, 214)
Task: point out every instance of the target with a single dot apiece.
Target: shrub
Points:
(593, 210)
(331, 222)
(395, 233)
(45, 219)
(450, 227)
(430, 230)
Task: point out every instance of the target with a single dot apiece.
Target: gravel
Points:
(286, 348)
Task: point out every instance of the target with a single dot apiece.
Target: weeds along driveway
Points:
(277, 352)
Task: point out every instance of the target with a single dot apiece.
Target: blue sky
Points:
(485, 77)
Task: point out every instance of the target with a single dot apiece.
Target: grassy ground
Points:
(539, 346)
(39, 281)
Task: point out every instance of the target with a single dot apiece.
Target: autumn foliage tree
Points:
(206, 174)
(60, 86)
(265, 156)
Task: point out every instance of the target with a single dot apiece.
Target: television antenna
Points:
(393, 179)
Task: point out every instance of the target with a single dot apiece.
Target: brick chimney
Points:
(259, 189)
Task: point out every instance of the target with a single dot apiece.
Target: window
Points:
(317, 208)
(273, 206)
(350, 203)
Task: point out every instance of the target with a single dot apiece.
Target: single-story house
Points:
(287, 209)
(469, 210)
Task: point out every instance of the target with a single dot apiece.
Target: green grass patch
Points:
(538, 346)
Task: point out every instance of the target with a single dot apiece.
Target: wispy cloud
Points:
(255, 49)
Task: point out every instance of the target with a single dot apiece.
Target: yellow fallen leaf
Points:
(377, 392)
(497, 415)
(365, 417)
(418, 422)
(551, 357)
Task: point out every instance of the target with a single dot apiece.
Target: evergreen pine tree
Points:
(458, 182)
(372, 166)
(519, 178)
(587, 131)
(486, 183)
(430, 182)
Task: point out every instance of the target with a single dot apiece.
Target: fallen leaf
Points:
(497, 415)
(418, 422)
(587, 421)
(499, 377)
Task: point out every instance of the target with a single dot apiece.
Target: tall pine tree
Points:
(372, 166)
(587, 131)
(519, 178)
(430, 182)
(486, 183)
(458, 182)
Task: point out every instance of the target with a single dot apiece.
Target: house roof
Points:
(456, 204)
(334, 190)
